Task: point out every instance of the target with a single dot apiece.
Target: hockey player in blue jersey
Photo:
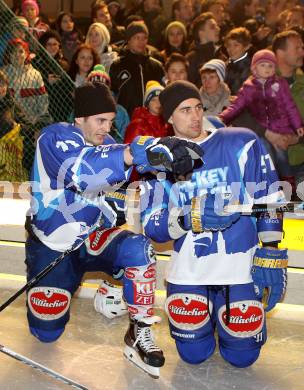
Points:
(74, 170)
(217, 274)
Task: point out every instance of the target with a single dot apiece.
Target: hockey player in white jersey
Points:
(218, 274)
(74, 170)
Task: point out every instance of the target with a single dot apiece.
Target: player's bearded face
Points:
(187, 119)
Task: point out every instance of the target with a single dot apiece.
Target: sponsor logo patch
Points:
(151, 272)
(187, 311)
(130, 273)
(144, 292)
(246, 318)
(48, 303)
(100, 239)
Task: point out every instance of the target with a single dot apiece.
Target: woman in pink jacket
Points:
(268, 98)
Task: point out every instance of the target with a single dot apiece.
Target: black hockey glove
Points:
(166, 154)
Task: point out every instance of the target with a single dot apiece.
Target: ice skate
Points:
(140, 348)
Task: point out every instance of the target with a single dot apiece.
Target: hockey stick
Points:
(288, 207)
(41, 368)
(47, 269)
(38, 277)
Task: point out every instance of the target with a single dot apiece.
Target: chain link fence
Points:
(34, 92)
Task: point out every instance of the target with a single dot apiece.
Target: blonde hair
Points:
(103, 33)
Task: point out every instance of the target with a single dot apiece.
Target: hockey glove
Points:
(207, 214)
(114, 209)
(269, 272)
(165, 154)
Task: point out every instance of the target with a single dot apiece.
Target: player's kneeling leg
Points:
(48, 312)
(190, 323)
(139, 280)
(243, 332)
(46, 336)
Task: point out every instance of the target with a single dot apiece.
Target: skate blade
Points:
(131, 355)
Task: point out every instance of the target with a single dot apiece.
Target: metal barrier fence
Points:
(32, 100)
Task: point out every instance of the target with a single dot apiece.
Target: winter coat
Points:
(197, 57)
(237, 71)
(215, 104)
(39, 28)
(120, 124)
(271, 104)
(297, 92)
(27, 87)
(144, 123)
(129, 76)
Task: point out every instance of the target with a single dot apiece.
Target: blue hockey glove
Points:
(114, 209)
(165, 154)
(207, 214)
(269, 272)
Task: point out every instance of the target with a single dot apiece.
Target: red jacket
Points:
(144, 123)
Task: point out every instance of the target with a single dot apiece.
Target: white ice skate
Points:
(108, 300)
(140, 348)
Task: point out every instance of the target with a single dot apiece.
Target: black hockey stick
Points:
(41, 368)
(47, 269)
(36, 278)
(287, 207)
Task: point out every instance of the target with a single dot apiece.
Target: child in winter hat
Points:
(153, 89)
(268, 99)
(100, 75)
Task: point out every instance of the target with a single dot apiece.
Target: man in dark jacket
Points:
(134, 68)
(206, 33)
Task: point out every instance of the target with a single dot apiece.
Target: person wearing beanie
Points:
(175, 40)
(153, 89)
(77, 208)
(99, 74)
(147, 120)
(30, 10)
(214, 91)
(216, 268)
(136, 28)
(268, 99)
(134, 68)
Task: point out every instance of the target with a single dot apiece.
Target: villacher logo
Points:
(188, 311)
(48, 303)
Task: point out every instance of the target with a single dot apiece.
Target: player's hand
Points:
(165, 154)
(269, 275)
(207, 214)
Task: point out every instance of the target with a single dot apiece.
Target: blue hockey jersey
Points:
(68, 178)
(236, 167)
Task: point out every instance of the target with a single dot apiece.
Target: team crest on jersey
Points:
(246, 318)
(48, 303)
(187, 311)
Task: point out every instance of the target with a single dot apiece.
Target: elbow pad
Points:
(270, 230)
(164, 226)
